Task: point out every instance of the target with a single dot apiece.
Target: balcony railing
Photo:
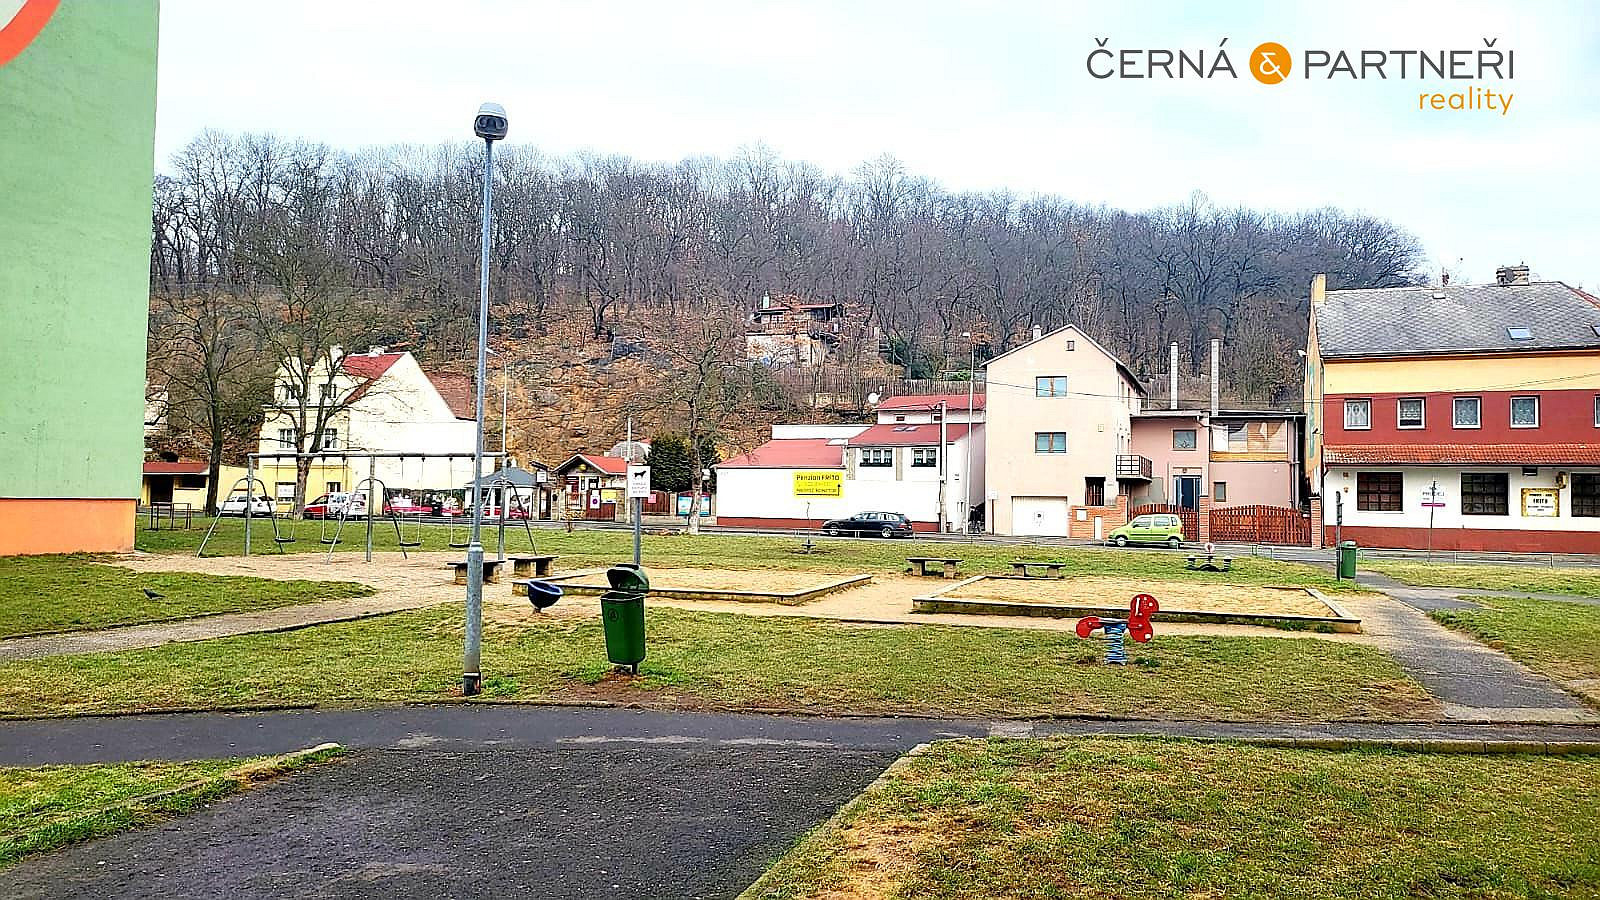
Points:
(1133, 467)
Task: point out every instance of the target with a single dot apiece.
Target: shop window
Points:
(1485, 493)
(1379, 491)
(1586, 494)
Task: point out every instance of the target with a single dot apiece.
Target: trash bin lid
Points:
(622, 596)
(1350, 544)
(628, 577)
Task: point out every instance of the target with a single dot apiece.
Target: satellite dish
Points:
(872, 399)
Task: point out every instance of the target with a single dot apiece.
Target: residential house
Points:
(184, 481)
(914, 460)
(1231, 459)
(385, 403)
(1059, 454)
(790, 330)
(1458, 416)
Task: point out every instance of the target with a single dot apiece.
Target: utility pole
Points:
(966, 446)
(944, 469)
(491, 125)
(636, 506)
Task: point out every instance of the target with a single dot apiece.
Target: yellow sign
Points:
(819, 484)
(1541, 502)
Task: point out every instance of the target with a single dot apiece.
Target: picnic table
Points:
(948, 566)
(1051, 569)
(1208, 562)
(537, 566)
(491, 570)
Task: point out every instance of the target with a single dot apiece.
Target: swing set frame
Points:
(376, 491)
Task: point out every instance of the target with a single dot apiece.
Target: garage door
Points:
(1039, 515)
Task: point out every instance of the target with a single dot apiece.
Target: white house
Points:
(384, 403)
(914, 460)
(1060, 456)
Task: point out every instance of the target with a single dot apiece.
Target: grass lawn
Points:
(1538, 580)
(73, 593)
(1561, 640)
(721, 660)
(591, 547)
(1143, 818)
(46, 807)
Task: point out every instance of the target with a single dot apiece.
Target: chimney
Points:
(377, 351)
(1319, 289)
(1172, 373)
(1037, 332)
(1509, 275)
(1216, 367)
(766, 301)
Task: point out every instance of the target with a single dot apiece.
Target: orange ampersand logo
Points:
(24, 27)
(1270, 62)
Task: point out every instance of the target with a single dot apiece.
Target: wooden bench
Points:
(537, 566)
(1208, 563)
(491, 571)
(1051, 569)
(948, 566)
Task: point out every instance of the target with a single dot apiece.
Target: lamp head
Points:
(491, 123)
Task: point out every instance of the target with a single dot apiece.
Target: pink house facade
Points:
(1233, 458)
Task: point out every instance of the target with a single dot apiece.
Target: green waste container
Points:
(622, 615)
(1347, 560)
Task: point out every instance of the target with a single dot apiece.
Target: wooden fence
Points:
(1261, 525)
(1191, 521)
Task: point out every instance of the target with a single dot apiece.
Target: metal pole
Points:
(372, 487)
(249, 492)
(505, 397)
(638, 505)
(471, 658)
(500, 530)
(944, 468)
(966, 461)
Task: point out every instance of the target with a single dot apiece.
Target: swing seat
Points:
(283, 540)
(408, 543)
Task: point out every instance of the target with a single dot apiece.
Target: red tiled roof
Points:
(1463, 454)
(362, 365)
(896, 434)
(181, 467)
(787, 453)
(611, 465)
(931, 401)
(456, 391)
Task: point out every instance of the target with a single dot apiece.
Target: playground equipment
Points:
(1116, 631)
(249, 483)
(376, 493)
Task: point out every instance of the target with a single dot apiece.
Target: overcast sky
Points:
(971, 94)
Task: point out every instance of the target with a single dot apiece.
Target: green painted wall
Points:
(77, 137)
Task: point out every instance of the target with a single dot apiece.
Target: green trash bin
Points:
(622, 616)
(1347, 560)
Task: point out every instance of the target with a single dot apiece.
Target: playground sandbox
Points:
(1181, 601)
(734, 585)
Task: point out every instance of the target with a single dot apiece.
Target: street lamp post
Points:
(491, 125)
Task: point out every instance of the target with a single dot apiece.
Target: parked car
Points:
(402, 505)
(235, 504)
(1154, 528)
(332, 506)
(883, 524)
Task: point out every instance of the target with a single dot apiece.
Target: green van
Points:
(1153, 528)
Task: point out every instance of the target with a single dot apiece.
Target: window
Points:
(1597, 410)
(289, 392)
(1519, 333)
(877, 456)
(1468, 412)
(286, 439)
(1379, 491)
(1094, 491)
(1524, 412)
(1409, 412)
(1586, 494)
(1050, 442)
(924, 457)
(1183, 439)
(1050, 386)
(1219, 491)
(335, 487)
(1358, 414)
(899, 418)
(1485, 493)
(1072, 345)
(330, 439)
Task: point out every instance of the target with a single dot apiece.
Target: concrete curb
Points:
(836, 821)
(1411, 745)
